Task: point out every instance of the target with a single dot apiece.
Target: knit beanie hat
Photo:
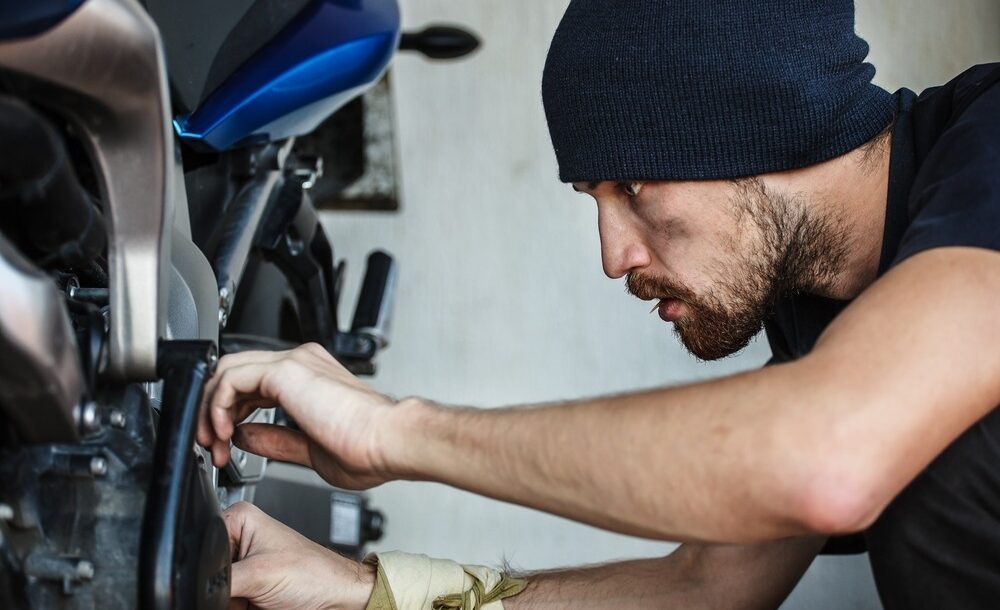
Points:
(691, 89)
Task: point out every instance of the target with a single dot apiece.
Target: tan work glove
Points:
(417, 582)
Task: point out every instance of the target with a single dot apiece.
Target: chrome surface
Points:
(41, 379)
(103, 68)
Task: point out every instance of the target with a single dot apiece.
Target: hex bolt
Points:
(117, 418)
(85, 570)
(224, 305)
(6, 512)
(87, 418)
(98, 466)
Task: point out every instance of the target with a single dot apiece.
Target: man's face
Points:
(716, 255)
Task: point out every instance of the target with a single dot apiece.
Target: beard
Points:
(796, 249)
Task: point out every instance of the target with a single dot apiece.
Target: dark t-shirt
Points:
(944, 190)
(938, 544)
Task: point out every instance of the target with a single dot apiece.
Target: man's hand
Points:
(274, 568)
(338, 414)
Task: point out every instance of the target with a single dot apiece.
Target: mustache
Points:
(648, 287)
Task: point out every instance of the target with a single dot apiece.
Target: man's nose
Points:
(622, 247)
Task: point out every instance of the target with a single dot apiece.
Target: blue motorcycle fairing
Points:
(325, 57)
(28, 17)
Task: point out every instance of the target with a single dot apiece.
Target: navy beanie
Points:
(692, 89)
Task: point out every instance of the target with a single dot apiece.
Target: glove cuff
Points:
(416, 582)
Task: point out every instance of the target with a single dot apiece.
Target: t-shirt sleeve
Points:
(955, 199)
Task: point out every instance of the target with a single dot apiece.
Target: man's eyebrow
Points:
(590, 186)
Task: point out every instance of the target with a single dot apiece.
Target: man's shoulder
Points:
(938, 108)
(954, 199)
(960, 91)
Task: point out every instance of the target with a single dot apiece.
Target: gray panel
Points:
(41, 380)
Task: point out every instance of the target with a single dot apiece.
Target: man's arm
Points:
(275, 567)
(758, 576)
(820, 445)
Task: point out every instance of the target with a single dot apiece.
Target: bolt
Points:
(117, 418)
(213, 360)
(224, 304)
(98, 466)
(6, 512)
(84, 570)
(87, 418)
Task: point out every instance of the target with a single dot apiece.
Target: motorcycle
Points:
(155, 213)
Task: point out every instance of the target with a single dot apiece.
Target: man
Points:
(747, 174)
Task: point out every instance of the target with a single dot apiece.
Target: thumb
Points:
(274, 442)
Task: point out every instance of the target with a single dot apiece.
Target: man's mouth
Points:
(669, 309)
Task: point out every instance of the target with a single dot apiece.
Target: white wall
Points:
(502, 299)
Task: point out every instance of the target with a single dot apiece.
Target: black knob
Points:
(440, 42)
(374, 525)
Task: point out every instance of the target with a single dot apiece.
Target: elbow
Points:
(837, 502)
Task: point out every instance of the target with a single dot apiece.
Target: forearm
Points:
(821, 444)
(653, 583)
(708, 462)
(693, 577)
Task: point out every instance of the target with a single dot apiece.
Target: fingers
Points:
(248, 577)
(241, 520)
(274, 442)
(240, 530)
(205, 433)
(234, 383)
(237, 392)
(252, 536)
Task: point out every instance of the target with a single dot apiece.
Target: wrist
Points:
(404, 437)
(362, 592)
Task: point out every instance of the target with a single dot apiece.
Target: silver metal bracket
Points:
(103, 69)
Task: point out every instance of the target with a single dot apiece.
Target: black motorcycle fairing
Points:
(210, 40)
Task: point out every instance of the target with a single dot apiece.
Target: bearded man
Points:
(747, 175)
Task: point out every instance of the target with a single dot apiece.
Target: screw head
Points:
(98, 466)
(87, 418)
(117, 418)
(213, 359)
(6, 512)
(84, 570)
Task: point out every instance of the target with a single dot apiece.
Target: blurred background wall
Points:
(501, 297)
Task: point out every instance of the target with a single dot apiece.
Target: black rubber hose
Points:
(43, 207)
